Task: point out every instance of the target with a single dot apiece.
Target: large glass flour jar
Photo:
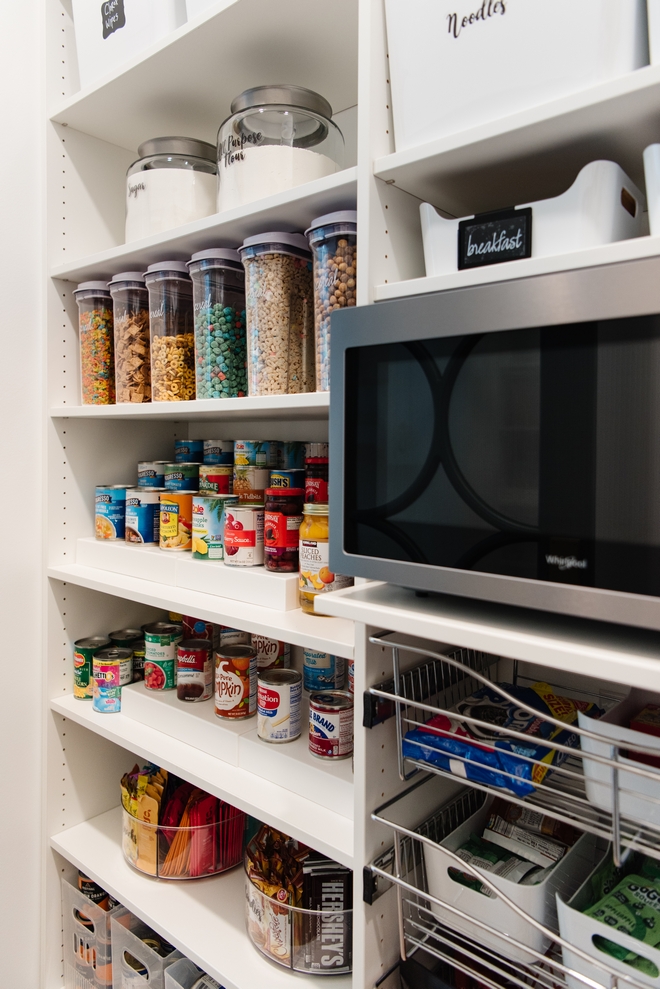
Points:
(173, 182)
(277, 137)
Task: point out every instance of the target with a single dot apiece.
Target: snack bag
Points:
(633, 906)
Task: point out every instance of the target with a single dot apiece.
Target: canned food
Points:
(233, 637)
(194, 674)
(219, 452)
(279, 698)
(110, 512)
(235, 682)
(83, 653)
(209, 524)
(112, 668)
(143, 515)
(176, 520)
(287, 479)
(181, 477)
(322, 671)
(282, 520)
(257, 453)
(351, 676)
(151, 473)
(216, 478)
(197, 628)
(250, 483)
(331, 724)
(189, 451)
(160, 642)
(99, 896)
(271, 653)
(244, 536)
(291, 457)
(138, 661)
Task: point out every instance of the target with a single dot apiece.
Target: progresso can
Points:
(189, 451)
(219, 452)
(112, 668)
(160, 642)
(331, 724)
(83, 653)
(110, 511)
(287, 479)
(181, 477)
(322, 671)
(279, 696)
(151, 473)
(143, 515)
(194, 671)
(235, 682)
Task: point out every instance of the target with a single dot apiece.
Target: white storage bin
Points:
(537, 901)
(602, 206)
(126, 945)
(87, 952)
(639, 796)
(183, 974)
(110, 33)
(510, 55)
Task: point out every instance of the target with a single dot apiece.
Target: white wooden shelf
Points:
(534, 153)
(315, 632)
(292, 210)
(185, 83)
(576, 645)
(313, 405)
(203, 918)
(319, 823)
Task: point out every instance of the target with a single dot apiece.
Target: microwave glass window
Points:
(531, 453)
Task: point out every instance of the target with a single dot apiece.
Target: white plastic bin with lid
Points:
(132, 959)
(86, 952)
(455, 64)
(110, 33)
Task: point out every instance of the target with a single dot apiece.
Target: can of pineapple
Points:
(208, 520)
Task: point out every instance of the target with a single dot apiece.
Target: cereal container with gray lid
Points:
(171, 331)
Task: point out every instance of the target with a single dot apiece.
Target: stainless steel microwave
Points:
(502, 442)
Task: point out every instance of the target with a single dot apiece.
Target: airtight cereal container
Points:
(97, 359)
(171, 332)
(219, 306)
(276, 138)
(280, 342)
(333, 240)
(130, 301)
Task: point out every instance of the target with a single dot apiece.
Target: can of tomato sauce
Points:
(176, 520)
(331, 724)
(194, 675)
(235, 682)
(279, 696)
(160, 642)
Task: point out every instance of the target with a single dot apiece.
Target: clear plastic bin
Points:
(130, 300)
(183, 974)
(86, 932)
(189, 852)
(135, 962)
(171, 329)
(97, 357)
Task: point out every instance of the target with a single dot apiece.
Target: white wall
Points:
(20, 495)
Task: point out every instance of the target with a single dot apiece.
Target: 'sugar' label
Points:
(491, 238)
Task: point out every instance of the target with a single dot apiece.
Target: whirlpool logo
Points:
(566, 562)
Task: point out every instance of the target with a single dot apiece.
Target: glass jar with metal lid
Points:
(315, 574)
(171, 332)
(173, 182)
(277, 137)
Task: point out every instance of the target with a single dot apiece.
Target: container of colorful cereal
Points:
(171, 328)
(97, 357)
(219, 303)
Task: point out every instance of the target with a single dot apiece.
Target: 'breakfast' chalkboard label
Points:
(491, 238)
(114, 16)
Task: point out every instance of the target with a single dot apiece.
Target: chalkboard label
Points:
(491, 238)
(113, 16)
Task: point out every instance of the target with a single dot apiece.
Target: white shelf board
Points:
(185, 83)
(321, 827)
(533, 153)
(203, 918)
(292, 210)
(313, 405)
(597, 649)
(296, 627)
(624, 250)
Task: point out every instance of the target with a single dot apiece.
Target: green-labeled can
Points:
(83, 652)
(160, 642)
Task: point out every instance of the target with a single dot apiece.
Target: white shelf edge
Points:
(203, 918)
(311, 404)
(318, 826)
(296, 627)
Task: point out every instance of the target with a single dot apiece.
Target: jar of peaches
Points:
(315, 575)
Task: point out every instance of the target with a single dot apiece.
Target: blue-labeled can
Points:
(321, 671)
(219, 452)
(292, 457)
(143, 515)
(151, 473)
(181, 477)
(257, 453)
(189, 451)
(287, 479)
(110, 511)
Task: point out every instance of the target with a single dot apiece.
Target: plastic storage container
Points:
(184, 974)
(97, 360)
(171, 332)
(471, 63)
(109, 34)
(130, 302)
(134, 962)
(87, 952)
(333, 240)
(172, 182)
(218, 281)
(276, 138)
(278, 284)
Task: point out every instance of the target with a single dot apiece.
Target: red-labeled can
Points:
(282, 518)
(197, 628)
(244, 536)
(194, 670)
(331, 724)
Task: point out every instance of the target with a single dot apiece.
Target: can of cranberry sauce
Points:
(194, 672)
(279, 698)
(331, 724)
(244, 535)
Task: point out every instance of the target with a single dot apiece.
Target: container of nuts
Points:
(171, 328)
(280, 338)
(333, 240)
(130, 301)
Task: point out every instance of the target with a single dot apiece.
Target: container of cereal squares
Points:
(130, 300)
(171, 329)
(279, 313)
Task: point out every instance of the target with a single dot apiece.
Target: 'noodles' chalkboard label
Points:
(490, 238)
(113, 16)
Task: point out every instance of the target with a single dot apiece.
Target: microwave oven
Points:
(502, 442)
